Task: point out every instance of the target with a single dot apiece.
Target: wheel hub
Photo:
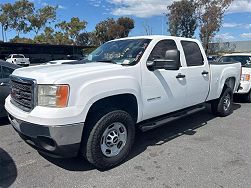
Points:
(226, 102)
(113, 139)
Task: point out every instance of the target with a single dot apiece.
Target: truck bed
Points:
(220, 72)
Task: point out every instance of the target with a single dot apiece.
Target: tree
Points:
(41, 17)
(73, 28)
(6, 11)
(61, 38)
(83, 39)
(127, 24)
(46, 37)
(111, 29)
(87, 39)
(49, 36)
(182, 18)
(210, 18)
(93, 39)
(103, 30)
(21, 40)
(21, 10)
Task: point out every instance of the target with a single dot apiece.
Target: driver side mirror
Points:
(171, 61)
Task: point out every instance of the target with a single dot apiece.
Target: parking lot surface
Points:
(200, 150)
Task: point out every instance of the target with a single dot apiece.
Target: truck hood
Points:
(246, 70)
(51, 73)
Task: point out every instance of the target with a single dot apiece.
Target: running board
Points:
(161, 120)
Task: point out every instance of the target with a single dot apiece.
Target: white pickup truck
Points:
(18, 59)
(92, 107)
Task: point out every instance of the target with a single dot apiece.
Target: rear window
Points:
(244, 60)
(18, 56)
(192, 53)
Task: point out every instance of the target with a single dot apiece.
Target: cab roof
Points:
(157, 37)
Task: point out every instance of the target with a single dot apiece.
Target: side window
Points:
(192, 53)
(7, 72)
(159, 51)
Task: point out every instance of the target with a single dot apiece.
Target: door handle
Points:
(180, 75)
(205, 72)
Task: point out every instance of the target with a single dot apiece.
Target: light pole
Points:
(163, 16)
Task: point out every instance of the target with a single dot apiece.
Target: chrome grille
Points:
(22, 93)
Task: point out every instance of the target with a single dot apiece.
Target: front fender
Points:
(95, 90)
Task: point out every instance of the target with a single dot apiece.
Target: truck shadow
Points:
(71, 164)
(239, 99)
(183, 126)
(4, 121)
(8, 170)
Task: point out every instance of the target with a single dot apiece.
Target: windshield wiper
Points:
(107, 61)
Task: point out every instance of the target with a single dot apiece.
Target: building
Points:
(230, 47)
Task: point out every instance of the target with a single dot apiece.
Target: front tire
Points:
(224, 105)
(109, 139)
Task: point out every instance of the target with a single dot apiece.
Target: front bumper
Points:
(244, 88)
(55, 141)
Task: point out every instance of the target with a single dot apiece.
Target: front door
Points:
(162, 91)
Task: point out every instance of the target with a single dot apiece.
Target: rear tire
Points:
(224, 105)
(108, 138)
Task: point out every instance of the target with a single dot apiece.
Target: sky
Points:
(236, 24)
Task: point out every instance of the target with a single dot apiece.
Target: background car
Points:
(212, 58)
(5, 70)
(18, 59)
(245, 59)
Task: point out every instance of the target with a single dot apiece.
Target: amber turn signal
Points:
(62, 96)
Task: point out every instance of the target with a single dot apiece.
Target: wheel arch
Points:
(124, 101)
(230, 82)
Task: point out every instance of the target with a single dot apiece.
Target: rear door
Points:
(197, 73)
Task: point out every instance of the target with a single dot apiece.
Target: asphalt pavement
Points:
(200, 150)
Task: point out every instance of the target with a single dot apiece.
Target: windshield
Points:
(123, 52)
(18, 56)
(244, 60)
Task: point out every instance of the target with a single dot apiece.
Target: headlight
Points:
(245, 77)
(53, 95)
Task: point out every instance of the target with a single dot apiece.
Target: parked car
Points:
(93, 107)
(245, 59)
(58, 62)
(212, 58)
(5, 70)
(18, 59)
